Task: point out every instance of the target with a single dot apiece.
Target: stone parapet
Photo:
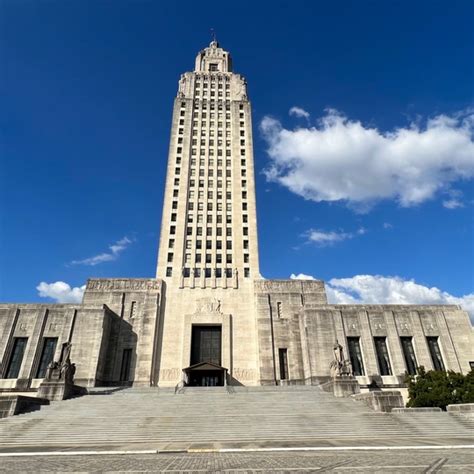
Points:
(15, 404)
(463, 409)
(383, 401)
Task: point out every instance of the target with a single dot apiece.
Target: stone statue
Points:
(340, 366)
(66, 352)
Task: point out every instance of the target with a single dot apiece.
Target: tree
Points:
(437, 388)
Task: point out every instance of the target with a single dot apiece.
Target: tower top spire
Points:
(213, 37)
(213, 58)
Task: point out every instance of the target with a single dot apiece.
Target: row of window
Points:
(210, 183)
(199, 244)
(208, 258)
(210, 195)
(383, 358)
(209, 217)
(207, 272)
(18, 351)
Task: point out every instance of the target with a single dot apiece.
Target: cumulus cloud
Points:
(322, 238)
(61, 292)
(298, 112)
(344, 160)
(376, 289)
(301, 276)
(115, 250)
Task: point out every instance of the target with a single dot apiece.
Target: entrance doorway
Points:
(206, 349)
(206, 344)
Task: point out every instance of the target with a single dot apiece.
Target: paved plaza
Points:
(412, 461)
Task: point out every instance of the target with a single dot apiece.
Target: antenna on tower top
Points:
(213, 35)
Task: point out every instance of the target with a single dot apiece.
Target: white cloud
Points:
(452, 203)
(387, 225)
(61, 292)
(115, 250)
(344, 160)
(376, 289)
(301, 276)
(299, 112)
(322, 238)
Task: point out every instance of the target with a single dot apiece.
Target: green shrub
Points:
(439, 389)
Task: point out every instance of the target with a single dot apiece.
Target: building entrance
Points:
(206, 344)
(206, 349)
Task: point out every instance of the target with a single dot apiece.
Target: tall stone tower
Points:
(208, 253)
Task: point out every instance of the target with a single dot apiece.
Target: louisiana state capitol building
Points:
(209, 317)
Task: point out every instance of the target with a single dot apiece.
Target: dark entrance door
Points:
(206, 344)
(206, 347)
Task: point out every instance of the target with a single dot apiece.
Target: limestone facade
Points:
(140, 331)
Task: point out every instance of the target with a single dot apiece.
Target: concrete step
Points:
(251, 414)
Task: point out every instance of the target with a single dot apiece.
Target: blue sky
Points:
(375, 181)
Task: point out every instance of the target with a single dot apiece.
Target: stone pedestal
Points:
(381, 401)
(55, 390)
(344, 386)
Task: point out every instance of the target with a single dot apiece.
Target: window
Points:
(245, 218)
(246, 244)
(244, 206)
(246, 258)
(218, 258)
(228, 258)
(189, 231)
(246, 272)
(173, 230)
(186, 272)
(218, 244)
(174, 205)
(198, 244)
(173, 217)
(188, 244)
(133, 309)
(228, 232)
(207, 272)
(187, 257)
(170, 257)
(47, 355)
(16, 357)
(208, 258)
(198, 258)
(171, 243)
(283, 359)
(279, 309)
(246, 230)
(382, 355)
(435, 353)
(169, 271)
(197, 272)
(190, 218)
(213, 67)
(229, 245)
(355, 356)
(208, 244)
(126, 362)
(409, 354)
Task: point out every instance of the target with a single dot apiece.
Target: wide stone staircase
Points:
(200, 418)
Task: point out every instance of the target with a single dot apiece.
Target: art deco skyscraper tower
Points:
(208, 254)
(209, 231)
